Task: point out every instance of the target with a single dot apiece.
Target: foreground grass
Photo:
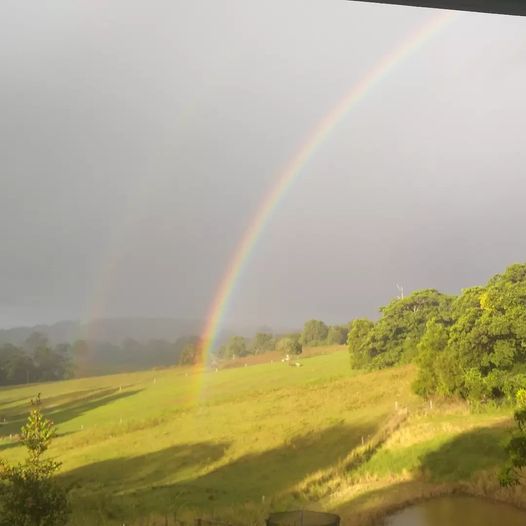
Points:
(174, 440)
(239, 442)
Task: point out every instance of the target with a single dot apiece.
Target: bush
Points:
(29, 495)
(314, 333)
(289, 345)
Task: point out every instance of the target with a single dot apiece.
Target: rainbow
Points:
(292, 170)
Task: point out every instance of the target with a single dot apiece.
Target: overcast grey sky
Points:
(138, 138)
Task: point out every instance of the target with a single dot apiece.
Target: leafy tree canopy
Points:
(289, 345)
(314, 333)
(357, 340)
(337, 335)
(395, 336)
(235, 347)
(263, 342)
(478, 351)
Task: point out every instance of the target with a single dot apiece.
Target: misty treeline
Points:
(472, 345)
(315, 333)
(36, 360)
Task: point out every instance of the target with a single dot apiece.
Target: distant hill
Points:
(63, 331)
(116, 330)
(111, 330)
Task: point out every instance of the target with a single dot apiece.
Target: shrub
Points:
(29, 495)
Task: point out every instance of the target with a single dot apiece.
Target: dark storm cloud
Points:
(137, 140)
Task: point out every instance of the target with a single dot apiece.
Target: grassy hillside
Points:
(269, 436)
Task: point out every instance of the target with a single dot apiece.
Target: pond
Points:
(458, 511)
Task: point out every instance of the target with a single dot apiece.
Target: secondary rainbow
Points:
(292, 170)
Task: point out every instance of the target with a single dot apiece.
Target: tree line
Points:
(36, 360)
(315, 333)
(471, 346)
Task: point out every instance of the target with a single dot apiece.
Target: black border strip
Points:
(502, 7)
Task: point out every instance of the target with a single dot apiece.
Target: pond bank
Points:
(457, 510)
(374, 507)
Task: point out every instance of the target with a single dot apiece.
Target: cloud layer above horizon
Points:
(138, 139)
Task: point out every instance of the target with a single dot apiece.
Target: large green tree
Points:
(479, 352)
(35, 361)
(512, 472)
(263, 342)
(235, 347)
(16, 366)
(289, 345)
(357, 341)
(395, 337)
(337, 335)
(189, 354)
(314, 333)
(492, 341)
(431, 347)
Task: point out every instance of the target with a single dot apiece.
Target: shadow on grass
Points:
(145, 471)
(21, 405)
(7, 443)
(462, 456)
(448, 469)
(184, 476)
(10, 401)
(60, 413)
(74, 409)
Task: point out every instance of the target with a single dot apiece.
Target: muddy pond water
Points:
(458, 511)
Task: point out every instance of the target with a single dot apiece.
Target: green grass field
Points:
(142, 447)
